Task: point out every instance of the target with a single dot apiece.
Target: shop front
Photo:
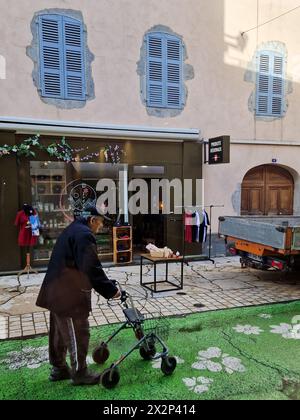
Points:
(56, 189)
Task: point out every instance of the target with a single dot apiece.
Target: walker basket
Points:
(156, 324)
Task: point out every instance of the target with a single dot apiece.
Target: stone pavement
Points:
(207, 287)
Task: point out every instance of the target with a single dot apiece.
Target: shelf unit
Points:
(122, 244)
(48, 181)
(104, 243)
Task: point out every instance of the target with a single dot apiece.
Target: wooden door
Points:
(268, 190)
(253, 192)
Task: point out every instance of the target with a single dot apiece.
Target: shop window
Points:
(60, 190)
(62, 62)
(164, 71)
(270, 84)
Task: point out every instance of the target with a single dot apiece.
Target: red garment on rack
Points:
(25, 234)
(188, 219)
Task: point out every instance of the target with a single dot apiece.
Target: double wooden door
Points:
(268, 190)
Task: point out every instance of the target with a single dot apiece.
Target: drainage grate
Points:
(199, 305)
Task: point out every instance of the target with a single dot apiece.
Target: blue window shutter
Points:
(270, 84)
(155, 71)
(74, 62)
(51, 56)
(277, 85)
(263, 84)
(164, 71)
(174, 72)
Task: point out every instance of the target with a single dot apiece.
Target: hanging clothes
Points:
(26, 237)
(188, 221)
(196, 227)
(204, 227)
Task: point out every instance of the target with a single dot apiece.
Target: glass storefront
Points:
(56, 189)
(61, 189)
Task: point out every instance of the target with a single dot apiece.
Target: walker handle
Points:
(124, 294)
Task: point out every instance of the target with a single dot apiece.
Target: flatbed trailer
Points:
(263, 242)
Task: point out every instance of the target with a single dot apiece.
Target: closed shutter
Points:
(74, 71)
(164, 71)
(174, 60)
(62, 66)
(277, 86)
(155, 82)
(51, 56)
(270, 89)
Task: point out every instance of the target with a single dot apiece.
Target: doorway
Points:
(267, 190)
(148, 228)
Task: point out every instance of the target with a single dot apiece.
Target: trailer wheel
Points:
(244, 264)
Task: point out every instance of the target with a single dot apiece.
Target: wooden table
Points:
(165, 261)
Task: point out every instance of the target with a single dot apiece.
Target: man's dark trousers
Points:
(68, 334)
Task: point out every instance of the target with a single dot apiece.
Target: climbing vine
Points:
(60, 150)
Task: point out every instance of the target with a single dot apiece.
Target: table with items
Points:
(159, 261)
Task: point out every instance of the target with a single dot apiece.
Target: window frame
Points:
(164, 37)
(62, 19)
(271, 75)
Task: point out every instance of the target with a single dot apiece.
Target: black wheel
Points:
(149, 352)
(101, 354)
(168, 365)
(110, 378)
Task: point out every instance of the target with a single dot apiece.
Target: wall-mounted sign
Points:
(219, 150)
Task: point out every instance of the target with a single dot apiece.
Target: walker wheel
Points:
(110, 378)
(148, 353)
(101, 354)
(168, 365)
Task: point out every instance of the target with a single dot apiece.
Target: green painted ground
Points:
(249, 353)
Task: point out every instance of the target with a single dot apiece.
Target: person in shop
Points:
(73, 271)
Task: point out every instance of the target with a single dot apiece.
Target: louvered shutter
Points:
(174, 83)
(164, 71)
(74, 69)
(155, 78)
(51, 56)
(263, 91)
(277, 86)
(270, 94)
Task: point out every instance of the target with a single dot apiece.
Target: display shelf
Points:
(58, 211)
(51, 194)
(48, 181)
(122, 256)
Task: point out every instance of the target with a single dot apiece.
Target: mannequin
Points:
(28, 222)
(26, 238)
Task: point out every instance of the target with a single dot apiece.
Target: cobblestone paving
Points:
(207, 287)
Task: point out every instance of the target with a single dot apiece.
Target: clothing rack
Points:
(201, 257)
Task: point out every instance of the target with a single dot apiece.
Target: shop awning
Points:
(79, 129)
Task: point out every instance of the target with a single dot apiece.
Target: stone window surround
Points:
(33, 52)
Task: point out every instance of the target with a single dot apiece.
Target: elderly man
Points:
(74, 270)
